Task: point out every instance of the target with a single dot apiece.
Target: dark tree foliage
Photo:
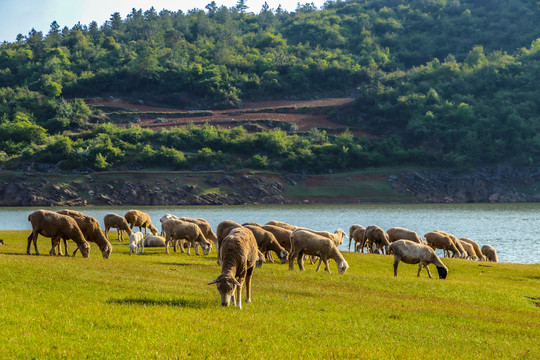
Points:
(437, 80)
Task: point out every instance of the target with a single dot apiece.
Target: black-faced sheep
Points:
(266, 241)
(115, 221)
(55, 226)
(399, 233)
(356, 233)
(375, 236)
(413, 253)
(476, 248)
(92, 231)
(304, 242)
(140, 219)
(240, 256)
(441, 240)
(490, 253)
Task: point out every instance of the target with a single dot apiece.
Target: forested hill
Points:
(437, 82)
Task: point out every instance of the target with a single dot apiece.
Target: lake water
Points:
(513, 229)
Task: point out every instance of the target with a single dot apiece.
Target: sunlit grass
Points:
(159, 306)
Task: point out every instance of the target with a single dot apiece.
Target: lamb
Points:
(183, 230)
(283, 236)
(117, 222)
(476, 248)
(398, 233)
(469, 249)
(140, 219)
(374, 235)
(152, 240)
(356, 233)
(411, 252)
(266, 241)
(55, 226)
(92, 231)
(239, 254)
(282, 225)
(136, 242)
(490, 253)
(309, 243)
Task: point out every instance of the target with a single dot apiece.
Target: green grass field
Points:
(159, 306)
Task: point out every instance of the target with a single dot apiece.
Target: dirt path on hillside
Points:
(231, 117)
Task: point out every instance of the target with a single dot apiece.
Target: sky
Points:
(20, 16)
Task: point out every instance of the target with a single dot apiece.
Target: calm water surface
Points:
(513, 229)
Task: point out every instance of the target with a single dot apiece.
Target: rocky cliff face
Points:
(504, 184)
(23, 191)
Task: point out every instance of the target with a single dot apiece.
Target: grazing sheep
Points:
(152, 240)
(283, 236)
(375, 236)
(92, 231)
(441, 240)
(190, 232)
(490, 253)
(1, 242)
(356, 233)
(476, 248)
(240, 256)
(205, 228)
(399, 233)
(165, 218)
(55, 226)
(140, 219)
(411, 252)
(458, 245)
(136, 242)
(304, 242)
(469, 249)
(266, 241)
(115, 221)
(223, 229)
(282, 225)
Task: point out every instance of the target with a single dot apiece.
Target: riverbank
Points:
(502, 184)
(478, 312)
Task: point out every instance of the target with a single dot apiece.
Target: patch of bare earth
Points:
(250, 112)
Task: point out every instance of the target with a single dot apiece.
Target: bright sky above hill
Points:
(20, 16)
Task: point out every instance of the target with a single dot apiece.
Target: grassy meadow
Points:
(156, 305)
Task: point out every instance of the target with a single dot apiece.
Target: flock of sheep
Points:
(242, 247)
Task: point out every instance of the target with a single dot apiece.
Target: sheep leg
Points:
(292, 255)
(319, 266)
(397, 259)
(195, 247)
(188, 247)
(326, 264)
(301, 261)
(313, 259)
(65, 247)
(54, 243)
(269, 257)
(248, 284)
(428, 272)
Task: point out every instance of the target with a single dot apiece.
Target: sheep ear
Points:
(213, 281)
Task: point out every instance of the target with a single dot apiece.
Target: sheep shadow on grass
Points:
(185, 303)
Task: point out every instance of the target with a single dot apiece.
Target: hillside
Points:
(357, 84)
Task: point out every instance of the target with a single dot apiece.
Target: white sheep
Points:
(152, 240)
(411, 252)
(304, 242)
(183, 230)
(490, 253)
(400, 233)
(375, 236)
(240, 256)
(115, 221)
(136, 242)
(441, 240)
